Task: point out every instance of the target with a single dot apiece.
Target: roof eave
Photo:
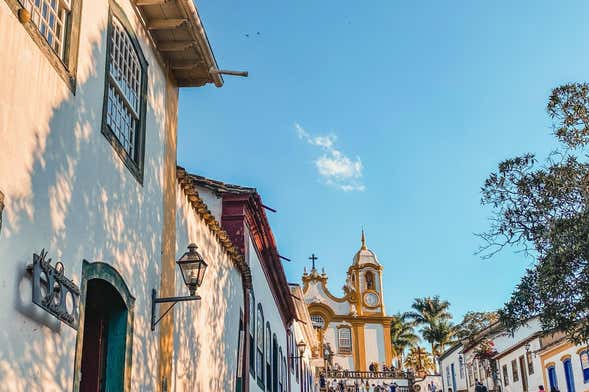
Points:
(203, 41)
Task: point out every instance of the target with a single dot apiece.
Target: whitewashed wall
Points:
(67, 191)
(264, 296)
(207, 332)
(534, 379)
(374, 343)
(316, 293)
(346, 361)
(506, 340)
(446, 363)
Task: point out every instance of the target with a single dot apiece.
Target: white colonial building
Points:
(95, 214)
(517, 361)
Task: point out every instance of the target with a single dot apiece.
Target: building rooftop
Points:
(179, 35)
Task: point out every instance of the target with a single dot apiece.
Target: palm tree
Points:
(439, 334)
(402, 336)
(428, 312)
(419, 360)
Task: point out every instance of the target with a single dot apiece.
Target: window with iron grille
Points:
(317, 321)
(51, 18)
(345, 340)
(124, 111)
(530, 363)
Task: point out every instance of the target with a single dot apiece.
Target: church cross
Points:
(313, 258)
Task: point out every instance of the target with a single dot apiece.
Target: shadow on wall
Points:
(205, 346)
(78, 200)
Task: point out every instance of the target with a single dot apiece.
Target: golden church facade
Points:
(353, 329)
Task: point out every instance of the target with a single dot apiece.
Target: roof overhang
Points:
(180, 37)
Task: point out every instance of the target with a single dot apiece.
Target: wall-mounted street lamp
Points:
(193, 268)
(301, 346)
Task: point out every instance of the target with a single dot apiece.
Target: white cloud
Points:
(334, 167)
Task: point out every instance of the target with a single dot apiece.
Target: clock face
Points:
(371, 299)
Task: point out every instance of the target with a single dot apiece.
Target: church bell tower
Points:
(365, 276)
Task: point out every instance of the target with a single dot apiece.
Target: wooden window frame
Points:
(505, 375)
(530, 363)
(515, 370)
(68, 67)
(252, 334)
(260, 351)
(135, 166)
(584, 371)
(268, 356)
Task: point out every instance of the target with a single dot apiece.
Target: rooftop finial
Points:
(363, 240)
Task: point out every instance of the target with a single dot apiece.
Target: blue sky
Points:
(388, 116)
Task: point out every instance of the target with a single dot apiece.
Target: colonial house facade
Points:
(95, 213)
(270, 324)
(516, 361)
(304, 344)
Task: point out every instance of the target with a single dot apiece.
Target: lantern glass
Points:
(193, 268)
(301, 346)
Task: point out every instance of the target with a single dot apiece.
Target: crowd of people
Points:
(359, 386)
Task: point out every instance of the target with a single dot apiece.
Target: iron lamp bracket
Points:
(174, 300)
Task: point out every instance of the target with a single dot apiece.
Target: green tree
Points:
(431, 313)
(439, 334)
(474, 322)
(542, 208)
(419, 360)
(402, 336)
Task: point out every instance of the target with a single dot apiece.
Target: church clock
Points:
(371, 299)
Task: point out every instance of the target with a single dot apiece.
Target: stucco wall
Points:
(534, 379)
(346, 361)
(207, 332)
(264, 295)
(316, 293)
(459, 371)
(374, 342)
(68, 191)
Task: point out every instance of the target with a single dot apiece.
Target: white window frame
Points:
(346, 347)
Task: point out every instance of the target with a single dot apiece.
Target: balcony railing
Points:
(391, 374)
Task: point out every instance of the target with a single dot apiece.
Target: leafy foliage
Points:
(402, 335)
(542, 208)
(428, 310)
(439, 334)
(419, 360)
(433, 315)
(474, 322)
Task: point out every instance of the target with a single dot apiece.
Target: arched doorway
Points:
(104, 345)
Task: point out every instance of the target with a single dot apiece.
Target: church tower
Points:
(365, 276)
(354, 328)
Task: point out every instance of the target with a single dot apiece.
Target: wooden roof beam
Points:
(165, 24)
(187, 64)
(142, 3)
(175, 46)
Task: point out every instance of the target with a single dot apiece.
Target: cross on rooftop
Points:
(313, 258)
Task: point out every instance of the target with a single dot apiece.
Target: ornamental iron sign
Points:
(53, 292)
